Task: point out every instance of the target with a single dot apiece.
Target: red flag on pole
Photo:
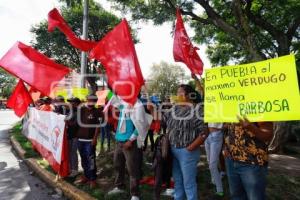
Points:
(117, 54)
(65, 163)
(183, 49)
(19, 99)
(56, 20)
(34, 93)
(32, 67)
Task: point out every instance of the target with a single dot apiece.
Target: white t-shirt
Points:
(215, 125)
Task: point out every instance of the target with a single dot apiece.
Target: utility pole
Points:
(83, 63)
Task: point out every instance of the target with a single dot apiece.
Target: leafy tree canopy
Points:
(55, 44)
(234, 30)
(164, 79)
(7, 84)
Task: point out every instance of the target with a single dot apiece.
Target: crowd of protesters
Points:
(179, 130)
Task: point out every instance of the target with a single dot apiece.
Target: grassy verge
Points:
(291, 150)
(24, 142)
(280, 186)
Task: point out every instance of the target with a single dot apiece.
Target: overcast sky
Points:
(17, 16)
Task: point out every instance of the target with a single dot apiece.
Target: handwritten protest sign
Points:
(80, 93)
(262, 91)
(60, 91)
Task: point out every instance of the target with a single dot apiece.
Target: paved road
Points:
(16, 181)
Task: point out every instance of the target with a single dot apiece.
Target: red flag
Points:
(56, 20)
(117, 54)
(183, 49)
(64, 169)
(33, 67)
(34, 93)
(20, 99)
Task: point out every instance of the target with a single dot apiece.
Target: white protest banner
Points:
(46, 131)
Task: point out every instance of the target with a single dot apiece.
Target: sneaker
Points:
(100, 155)
(135, 198)
(82, 180)
(217, 196)
(221, 194)
(168, 192)
(116, 190)
(73, 173)
(92, 184)
(212, 181)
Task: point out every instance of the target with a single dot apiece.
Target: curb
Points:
(69, 190)
(17, 147)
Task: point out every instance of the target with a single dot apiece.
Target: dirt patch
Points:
(285, 164)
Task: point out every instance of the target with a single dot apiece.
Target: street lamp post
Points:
(83, 63)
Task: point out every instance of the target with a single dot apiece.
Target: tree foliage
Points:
(234, 30)
(7, 84)
(55, 44)
(164, 79)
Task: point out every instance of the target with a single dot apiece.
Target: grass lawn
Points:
(281, 186)
(24, 142)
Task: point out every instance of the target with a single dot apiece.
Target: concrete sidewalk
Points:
(16, 181)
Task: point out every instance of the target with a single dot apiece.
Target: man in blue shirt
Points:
(126, 152)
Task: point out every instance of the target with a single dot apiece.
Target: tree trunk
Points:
(283, 45)
(281, 134)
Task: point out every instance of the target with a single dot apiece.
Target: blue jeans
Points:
(246, 181)
(105, 133)
(73, 157)
(185, 173)
(213, 146)
(88, 154)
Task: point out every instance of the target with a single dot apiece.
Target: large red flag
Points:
(33, 67)
(117, 54)
(19, 99)
(183, 49)
(34, 93)
(56, 20)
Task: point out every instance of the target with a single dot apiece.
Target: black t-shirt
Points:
(72, 125)
(61, 109)
(89, 120)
